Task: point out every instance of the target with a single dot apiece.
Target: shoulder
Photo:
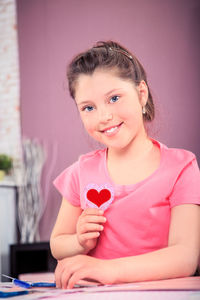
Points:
(92, 157)
(176, 156)
(181, 169)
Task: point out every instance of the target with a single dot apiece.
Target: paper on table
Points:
(177, 284)
(40, 293)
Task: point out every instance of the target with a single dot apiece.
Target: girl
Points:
(130, 212)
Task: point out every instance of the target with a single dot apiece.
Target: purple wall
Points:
(163, 34)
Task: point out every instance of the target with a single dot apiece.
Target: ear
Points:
(143, 92)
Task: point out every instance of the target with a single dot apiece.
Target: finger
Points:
(89, 236)
(88, 227)
(65, 278)
(93, 211)
(94, 219)
(91, 219)
(80, 274)
(58, 272)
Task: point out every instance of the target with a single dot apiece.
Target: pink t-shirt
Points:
(138, 216)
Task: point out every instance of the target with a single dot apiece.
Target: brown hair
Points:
(110, 55)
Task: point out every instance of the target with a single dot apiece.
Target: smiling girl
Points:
(130, 212)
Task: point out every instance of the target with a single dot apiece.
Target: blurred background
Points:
(38, 38)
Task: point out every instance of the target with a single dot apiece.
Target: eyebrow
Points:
(110, 92)
(106, 94)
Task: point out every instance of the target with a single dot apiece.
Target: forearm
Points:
(171, 262)
(66, 245)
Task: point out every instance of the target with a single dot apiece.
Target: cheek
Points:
(132, 117)
(88, 124)
(130, 114)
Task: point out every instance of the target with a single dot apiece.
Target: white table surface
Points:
(173, 289)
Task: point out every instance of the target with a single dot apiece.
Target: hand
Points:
(72, 269)
(88, 227)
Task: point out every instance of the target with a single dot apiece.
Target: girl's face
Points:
(111, 108)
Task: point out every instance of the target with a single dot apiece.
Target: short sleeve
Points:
(67, 183)
(187, 187)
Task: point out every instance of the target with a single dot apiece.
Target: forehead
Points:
(99, 82)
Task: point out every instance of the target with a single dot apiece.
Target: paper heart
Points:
(99, 196)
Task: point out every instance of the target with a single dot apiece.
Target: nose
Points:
(105, 115)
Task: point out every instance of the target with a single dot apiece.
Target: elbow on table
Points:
(190, 266)
(53, 248)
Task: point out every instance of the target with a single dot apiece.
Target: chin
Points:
(122, 145)
(118, 146)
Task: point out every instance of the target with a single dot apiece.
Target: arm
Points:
(63, 241)
(179, 259)
(75, 231)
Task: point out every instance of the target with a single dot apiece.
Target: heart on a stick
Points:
(99, 197)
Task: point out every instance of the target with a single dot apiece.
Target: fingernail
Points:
(101, 212)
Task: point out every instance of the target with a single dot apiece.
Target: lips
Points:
(111, 130)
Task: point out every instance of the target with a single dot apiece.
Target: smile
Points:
(111, 130)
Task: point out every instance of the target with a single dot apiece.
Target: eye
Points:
(87, 108)
(114, 99)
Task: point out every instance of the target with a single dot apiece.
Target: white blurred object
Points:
(30, 204)
(8, 233)
(41, 276)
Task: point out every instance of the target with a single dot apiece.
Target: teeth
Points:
(111, 129)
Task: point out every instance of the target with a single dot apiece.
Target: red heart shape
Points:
(98, 198)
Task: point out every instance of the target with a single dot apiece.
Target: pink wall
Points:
(163, 34)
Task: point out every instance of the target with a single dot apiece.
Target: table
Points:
(187, 288)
